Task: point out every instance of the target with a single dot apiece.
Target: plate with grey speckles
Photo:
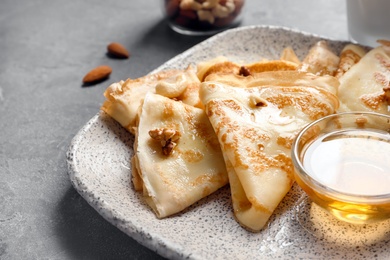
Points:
(100, 170)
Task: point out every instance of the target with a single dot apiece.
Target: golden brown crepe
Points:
(320, 60)
(365, 86)
(178, 160)
(256, 125)
(349, 56)
(279, 78)
(271, 65)
(221, 65)
(124, 98)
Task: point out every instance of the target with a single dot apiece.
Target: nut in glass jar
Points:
(203, 17)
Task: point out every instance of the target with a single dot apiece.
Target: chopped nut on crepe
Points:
(365, 86)
(256, 124)
(177, 160)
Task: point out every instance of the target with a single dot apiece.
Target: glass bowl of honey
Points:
(342, 162)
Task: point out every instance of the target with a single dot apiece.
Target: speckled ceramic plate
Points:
(100, 170)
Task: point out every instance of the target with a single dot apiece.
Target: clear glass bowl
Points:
(342, 162)
(202, 17)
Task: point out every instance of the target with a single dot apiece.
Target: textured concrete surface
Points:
(46, 47)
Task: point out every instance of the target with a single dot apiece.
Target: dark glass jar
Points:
(203, 17)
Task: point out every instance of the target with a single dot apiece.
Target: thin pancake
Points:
(256, 126)
(349, 56)
(320, 60)
(191, 170)
(365, 86)
(124, 98)
(221, 65)
(278, 78)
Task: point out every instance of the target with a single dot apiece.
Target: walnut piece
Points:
(190, 5)
(387, 95)
(205, 15)
(256, 101)
(167, 137)
(361, 121)
(220, 12)
(244, 71)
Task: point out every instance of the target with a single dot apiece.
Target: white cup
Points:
(368, 21)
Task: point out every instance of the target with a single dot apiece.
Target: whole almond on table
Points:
(97, 74)
(118, 50)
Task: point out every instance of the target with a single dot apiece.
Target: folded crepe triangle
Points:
(366, 85)
(177, 160)
(256, 122)
(124, 98)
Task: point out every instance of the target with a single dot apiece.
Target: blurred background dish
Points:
(206, 17)
(368, 21)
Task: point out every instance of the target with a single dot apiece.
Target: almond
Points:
(97, 74)
(118, 50)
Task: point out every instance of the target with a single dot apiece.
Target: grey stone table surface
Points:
(46, 47)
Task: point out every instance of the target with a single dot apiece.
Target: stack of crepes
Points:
(220, 122)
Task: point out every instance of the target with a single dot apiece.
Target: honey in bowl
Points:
(343, 163)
